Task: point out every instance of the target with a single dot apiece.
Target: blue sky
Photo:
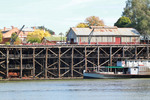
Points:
(58, 15)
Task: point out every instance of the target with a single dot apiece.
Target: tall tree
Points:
(94, 21)
(123, 22)
(139, 13)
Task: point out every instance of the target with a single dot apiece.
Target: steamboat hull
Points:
(112, 76)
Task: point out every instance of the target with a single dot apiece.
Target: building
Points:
(103, 35)
(7, 32)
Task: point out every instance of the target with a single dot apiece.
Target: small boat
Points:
(124, 69)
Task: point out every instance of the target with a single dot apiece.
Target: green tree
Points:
(123, 22)
(1, 36)
(94, 21)
(15, 38)
(139, 13)
(38, 33)
(34, 40)
(46, 29)
(82, 25)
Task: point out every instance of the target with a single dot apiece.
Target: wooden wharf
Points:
(63, 61)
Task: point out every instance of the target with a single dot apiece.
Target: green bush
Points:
(34, 40)
(7, 43)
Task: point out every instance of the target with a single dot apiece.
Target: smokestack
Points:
(34, 27)
(4, 28)
(12, 27)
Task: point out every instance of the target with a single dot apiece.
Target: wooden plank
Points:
(33, 62)
(79, 62)
(52, 64)
(72, 62)
(59, 62)
(91, 51)
(46, 59)
(104, 52)
(65, 52)
(79, 52)
(148, 52)
(7, 60)
(98, 57)
(65, 73)
(64, 62)
(51, 73)
(85, 60)
(110, 56)
(53, 52)
(2, 53)
(20, 62)
(39, 52)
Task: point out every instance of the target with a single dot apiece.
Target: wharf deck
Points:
(63, 61)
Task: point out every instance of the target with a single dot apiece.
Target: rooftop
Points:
(105, 30)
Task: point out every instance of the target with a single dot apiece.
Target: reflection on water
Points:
(125, 89)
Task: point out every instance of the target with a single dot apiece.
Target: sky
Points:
(58, 15)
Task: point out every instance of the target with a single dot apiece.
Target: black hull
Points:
(112, 76)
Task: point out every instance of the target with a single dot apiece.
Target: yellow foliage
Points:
(82, 25)
(39, 33)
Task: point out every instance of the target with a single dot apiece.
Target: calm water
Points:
(124, 89)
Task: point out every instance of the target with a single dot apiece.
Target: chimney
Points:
(12, 27)
(34, 27)
(4, 28)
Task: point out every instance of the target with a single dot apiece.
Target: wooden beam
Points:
(59, 62)
(65, 73)
(65, 52)
(2, 62)
(7, 66)
(33, 62)
(79, 62)
(2, 53)
(135, 52)
(2, 73)
(78, 72)
(64, 62)
(116, 51)
(110, 56)
(123, 52)
(91, 62)
(85, 60)
(72, 61)
(52, 64)
(147, 52)
(104, 52)
(98, 57)
(53, 52)
(79, 52)
(91, 51)
(39, 64)
(140, 51)
(104, 62)
(39, 73)
(39, 52)
(51, 73)
(46, 58)
(20, 62)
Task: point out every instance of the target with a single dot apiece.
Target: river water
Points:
(101, 89)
